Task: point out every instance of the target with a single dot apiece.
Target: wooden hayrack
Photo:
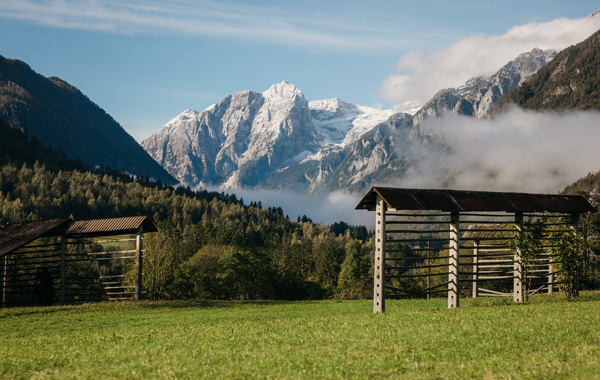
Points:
(464, 236)
(37, 257)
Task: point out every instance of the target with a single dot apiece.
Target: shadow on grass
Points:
(407, 304)
(146, 304)
(585, 296)
(212, 304)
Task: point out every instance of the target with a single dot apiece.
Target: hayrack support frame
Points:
(453, 251)
(447, 225)
(379, 270)
(31, 253)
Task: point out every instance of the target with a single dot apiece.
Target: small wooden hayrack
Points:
(32, 252)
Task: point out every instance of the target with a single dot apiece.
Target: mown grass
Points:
(485, 338)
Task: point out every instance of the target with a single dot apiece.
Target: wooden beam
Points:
(63, 270)
(379, 270)
(5, 280)
(428, 271)
(475, 268)
(138, 264)
(518, 267)
(550, 276)
(453, 286)
(575, 221)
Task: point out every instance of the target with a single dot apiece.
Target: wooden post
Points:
(63, 270)
(5, 280)
(475, 268)
(575, 221)
(453, 286)
(138, 264)
(518, 267)
(550, 277)
(428, 270)
(379, 272)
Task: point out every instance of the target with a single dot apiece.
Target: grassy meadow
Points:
(550, 337)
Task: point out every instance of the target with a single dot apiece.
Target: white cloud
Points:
(209, 18)
(521, 151)
(327, 208)
(419, 75)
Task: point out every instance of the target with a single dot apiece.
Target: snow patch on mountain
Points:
(249, 135)
(342, 122)
(277, 139)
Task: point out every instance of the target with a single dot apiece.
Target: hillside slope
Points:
(61, 116)
(570, 81)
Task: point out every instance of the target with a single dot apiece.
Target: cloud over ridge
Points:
(518, 151)
(419, 75)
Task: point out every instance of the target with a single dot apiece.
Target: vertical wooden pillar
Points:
(518, 267)
(575, 221)
(63, 270)
(379, 272)
(550, 277)
(138, 264)
(475, 269)
(453, 286)
(5, 280)
(428, 270)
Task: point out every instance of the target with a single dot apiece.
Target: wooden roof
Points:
(485, 201)
(110, 226)
(14, 236)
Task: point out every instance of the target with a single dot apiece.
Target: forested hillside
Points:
(570, 81)
(210, 245)
(588, 186)
(17, 148)
(60, 116)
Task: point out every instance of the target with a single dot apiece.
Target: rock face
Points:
(238, 141)
(351, 165)
(249, 136)
(569, 82)
(475, 98)
(277, 140)
(383, 154)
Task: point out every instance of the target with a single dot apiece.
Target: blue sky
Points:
(146, 61)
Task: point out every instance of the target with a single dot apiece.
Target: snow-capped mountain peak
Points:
(283, 90)
(242, 138)
(277, 139)
(248, 135)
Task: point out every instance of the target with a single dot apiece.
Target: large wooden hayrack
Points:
(423, 237)
(39, 256)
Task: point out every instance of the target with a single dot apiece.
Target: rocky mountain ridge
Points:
(476, 97)
(278, 140)
(248, 136)
(570, 81)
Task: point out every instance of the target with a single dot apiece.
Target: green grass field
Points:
(485, 338)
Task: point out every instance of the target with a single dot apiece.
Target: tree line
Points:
(209, 244)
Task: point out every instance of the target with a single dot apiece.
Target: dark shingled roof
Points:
(485, 201)
(14, 236)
